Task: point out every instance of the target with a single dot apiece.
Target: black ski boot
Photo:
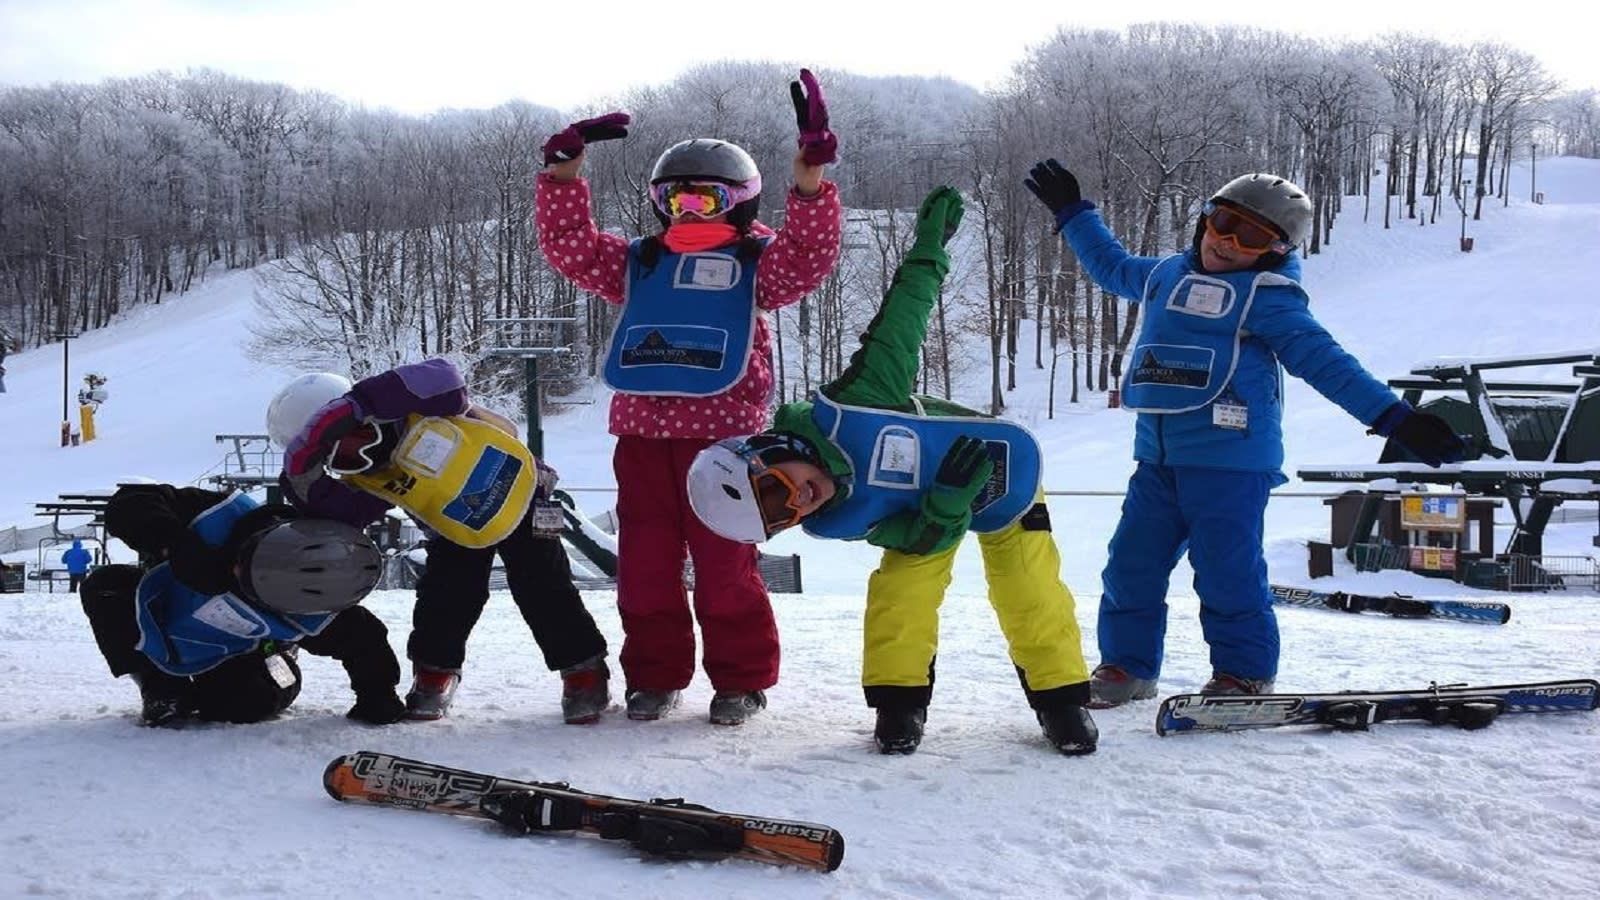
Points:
(899, 728)
(165, 699)
(1070, 729)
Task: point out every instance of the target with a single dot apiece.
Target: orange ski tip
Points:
(340, 780)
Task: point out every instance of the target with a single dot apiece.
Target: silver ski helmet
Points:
(711, 159)
(309, 566)
(1277, 200)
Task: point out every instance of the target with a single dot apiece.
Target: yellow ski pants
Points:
(1036, 611)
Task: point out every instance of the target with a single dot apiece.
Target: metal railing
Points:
(1525, 572)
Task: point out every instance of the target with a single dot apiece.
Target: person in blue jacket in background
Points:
(1219, 319)
(77, 561)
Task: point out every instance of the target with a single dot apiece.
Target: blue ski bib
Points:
(895, 455)
(1188, 346)
(185, 632)
(687, 325)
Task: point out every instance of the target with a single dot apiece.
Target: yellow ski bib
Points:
(461, 477)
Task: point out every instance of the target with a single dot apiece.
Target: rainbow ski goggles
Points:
(703, 199)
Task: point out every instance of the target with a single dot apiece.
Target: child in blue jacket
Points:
(1204, 378)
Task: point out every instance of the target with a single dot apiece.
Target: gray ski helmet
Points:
(1278, 200)
(307, 566)
(706, 159)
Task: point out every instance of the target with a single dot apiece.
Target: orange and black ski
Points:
(668, 828)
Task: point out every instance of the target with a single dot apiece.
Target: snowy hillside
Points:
(98, 807)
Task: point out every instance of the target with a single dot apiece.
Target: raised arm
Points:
(1100, 253)
(572, 243)
(883, 371)
(806, 248)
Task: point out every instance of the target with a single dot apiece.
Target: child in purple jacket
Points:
(341, 442)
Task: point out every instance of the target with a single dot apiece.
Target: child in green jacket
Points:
(866, 459)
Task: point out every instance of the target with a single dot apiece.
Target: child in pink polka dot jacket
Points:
(691, 363)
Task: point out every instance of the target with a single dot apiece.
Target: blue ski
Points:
(1459, 705)
(1401, 606)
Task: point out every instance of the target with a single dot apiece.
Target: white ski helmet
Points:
(721, 495)
(292, 408)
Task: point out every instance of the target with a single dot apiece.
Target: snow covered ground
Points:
(97, 807)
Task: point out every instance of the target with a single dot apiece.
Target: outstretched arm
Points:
(1101, 254)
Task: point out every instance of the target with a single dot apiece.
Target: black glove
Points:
(1055, 187)
(1429, 438)
(200, 566)
(962, 473)
(377, 707)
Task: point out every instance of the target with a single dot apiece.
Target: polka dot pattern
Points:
(796, 262)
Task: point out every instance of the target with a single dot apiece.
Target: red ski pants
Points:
(654, 527)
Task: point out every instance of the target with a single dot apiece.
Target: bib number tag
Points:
(280, 671)
(548, 519)
(1230, 415)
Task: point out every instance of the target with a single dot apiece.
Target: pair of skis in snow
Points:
(1401, 606)
(674, 829)
(671, 829)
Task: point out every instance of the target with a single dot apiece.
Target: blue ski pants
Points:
(1216, 515)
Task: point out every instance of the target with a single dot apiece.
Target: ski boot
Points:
(1111, 685)
(165, 700)
(736, 707)
(647, 706)
(899, 728)
(1069, 728)
(585, 691)
(431, 692)
(1228, 685)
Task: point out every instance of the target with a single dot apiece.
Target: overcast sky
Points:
(420, 56)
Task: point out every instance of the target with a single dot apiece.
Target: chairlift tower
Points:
(532, 339)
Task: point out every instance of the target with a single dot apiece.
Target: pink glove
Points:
(569, 142)
(818, 145)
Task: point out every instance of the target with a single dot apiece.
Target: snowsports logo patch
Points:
(691, 346)
(1173, 365)
(485, 490)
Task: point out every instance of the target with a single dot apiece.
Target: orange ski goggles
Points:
(1246, 232)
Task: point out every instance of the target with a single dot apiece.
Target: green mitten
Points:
(939, 216)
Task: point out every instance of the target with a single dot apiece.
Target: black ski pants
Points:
(454, 587)
(240, 689)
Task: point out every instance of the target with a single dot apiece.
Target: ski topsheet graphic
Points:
(1459, 705)
(1401, 606)
(668, 828)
